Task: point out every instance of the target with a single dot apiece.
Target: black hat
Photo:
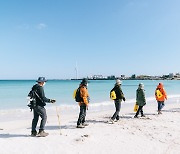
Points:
(41, 79)
(84, 81)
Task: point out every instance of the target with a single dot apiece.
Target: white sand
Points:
(157, 134)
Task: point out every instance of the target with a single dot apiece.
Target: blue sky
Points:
(47, 38)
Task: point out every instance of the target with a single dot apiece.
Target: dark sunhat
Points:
(41, 79)
(84, 81)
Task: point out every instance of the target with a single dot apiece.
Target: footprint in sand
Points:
(82, 138)
(79, 140)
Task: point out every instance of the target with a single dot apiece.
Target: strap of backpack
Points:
(38, 96)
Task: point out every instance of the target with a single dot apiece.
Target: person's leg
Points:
(43, 115)
(162, 104)
(159, 107)
(81, 115)
(117, 106)
(34, 121)
(84, 114)
(137, 113)
(142, 114)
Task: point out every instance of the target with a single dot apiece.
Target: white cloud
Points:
(41, 26)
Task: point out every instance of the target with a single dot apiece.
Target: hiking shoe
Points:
(42, 133)
(85, 124)
(159, 112)
(116, 120)
(135, 116)
(111, 121)
(33, 133)
(80, 126)
(143, 115)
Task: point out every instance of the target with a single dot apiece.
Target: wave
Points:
(92, 106)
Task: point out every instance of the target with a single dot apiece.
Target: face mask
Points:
(44, 84)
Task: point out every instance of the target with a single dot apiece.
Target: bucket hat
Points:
(84, 81)
(118, 82)
(141, 85)
(41, 79)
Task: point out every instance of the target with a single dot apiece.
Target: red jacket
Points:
(163, 92)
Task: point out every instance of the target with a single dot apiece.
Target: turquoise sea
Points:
(13, 93)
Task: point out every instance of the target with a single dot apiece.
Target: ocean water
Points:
(13, 93)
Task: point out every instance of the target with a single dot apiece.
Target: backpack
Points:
(77, 95)
(113, 95)
(32, 99)
(158, 93)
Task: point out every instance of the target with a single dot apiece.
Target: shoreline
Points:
(95, 106)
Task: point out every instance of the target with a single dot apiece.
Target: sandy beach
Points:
(157, 134)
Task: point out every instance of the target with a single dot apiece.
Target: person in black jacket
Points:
(118, 100)
(39, 109)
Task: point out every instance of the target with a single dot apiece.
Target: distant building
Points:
(112, 77)
(171, 75)
(98, 77)
(133, 76)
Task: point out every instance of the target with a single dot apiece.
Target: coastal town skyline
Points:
(170, 76)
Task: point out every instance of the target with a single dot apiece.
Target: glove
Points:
(124, 99)
(52, 100)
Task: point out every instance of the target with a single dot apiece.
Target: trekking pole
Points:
(58, 120)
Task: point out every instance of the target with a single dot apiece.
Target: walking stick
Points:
(58, 120)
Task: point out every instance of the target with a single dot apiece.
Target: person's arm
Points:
(143, 93)
(42, 95)
(136, 95)
(164, 93)
(122, 95)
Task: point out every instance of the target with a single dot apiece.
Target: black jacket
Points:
(40, 91)
(118, 91)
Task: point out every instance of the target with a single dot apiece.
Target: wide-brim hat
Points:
(41, 79)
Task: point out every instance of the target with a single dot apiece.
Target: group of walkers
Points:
(160, 95)
(40, 99)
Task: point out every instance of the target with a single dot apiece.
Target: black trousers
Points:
(118, 107)
(39, 112)
(82, 114)
(140, 109)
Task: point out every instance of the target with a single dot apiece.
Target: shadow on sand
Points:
(133, 114)
(172, 110)
(12, 135)
(96, 121)
(122, 117)
(62, 127)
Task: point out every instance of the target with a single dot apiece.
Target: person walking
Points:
(140, 100)
(161, 96)
(39, 109)
(83, 103)
(119, 97)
